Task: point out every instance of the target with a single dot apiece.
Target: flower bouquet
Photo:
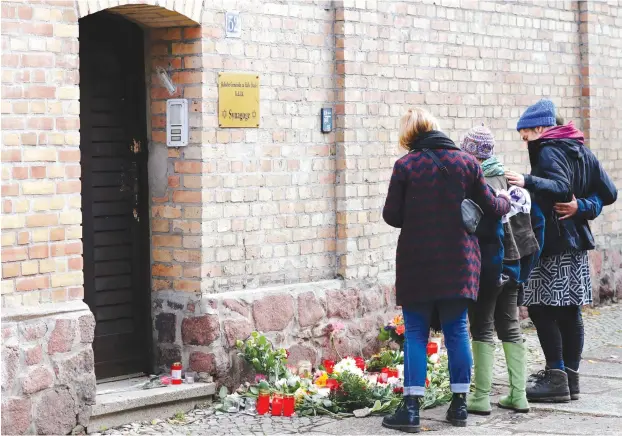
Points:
(348, 387)
(394, 331)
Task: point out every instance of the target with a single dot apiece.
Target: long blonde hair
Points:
(415, 122)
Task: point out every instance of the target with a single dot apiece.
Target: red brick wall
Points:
(41, 245)
(176, 215)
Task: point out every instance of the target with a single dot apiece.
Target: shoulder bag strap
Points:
(437, 161)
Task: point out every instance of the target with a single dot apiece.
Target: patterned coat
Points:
(436, 258)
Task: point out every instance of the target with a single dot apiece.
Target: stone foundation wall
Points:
(48, 379)
(201, 333)
(606, 268)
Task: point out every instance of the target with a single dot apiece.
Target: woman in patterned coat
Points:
(437, 261)
(562, 169)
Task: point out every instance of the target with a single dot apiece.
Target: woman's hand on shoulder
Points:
(515, 179)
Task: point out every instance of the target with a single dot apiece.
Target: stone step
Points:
(123, 402)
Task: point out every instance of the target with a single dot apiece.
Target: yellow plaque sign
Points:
(238, 100)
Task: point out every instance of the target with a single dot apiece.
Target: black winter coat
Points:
(559, 169)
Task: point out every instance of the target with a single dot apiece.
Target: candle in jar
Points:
(277, 405)
(289, 404)
(263, 402)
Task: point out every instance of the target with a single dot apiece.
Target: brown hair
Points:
(415, 122)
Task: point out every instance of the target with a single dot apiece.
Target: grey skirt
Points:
(560, 280)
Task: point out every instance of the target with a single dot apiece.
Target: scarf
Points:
(569, 131)
(433, 140)
(492, 167)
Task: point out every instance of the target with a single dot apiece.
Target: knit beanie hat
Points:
(479, 142)
(540, 114)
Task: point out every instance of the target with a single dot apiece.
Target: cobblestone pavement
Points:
(602, 327)
(598, 412)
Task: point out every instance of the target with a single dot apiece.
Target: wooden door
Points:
(115, 193)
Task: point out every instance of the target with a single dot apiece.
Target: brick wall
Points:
(176, 210)
(41, 246)
(467, 62)
(601, 33)
(269, 214)
(264, 218)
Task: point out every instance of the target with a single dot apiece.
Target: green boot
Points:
(478, 402)
(515, 357)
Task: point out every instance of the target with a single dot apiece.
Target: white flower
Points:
(434, 358)
(347, 365)
(393, 381)
(280, 383)
(292, 381)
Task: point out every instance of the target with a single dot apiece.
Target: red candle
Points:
(332, 384)
(289, 404)
(392, 373)
(329, 365)
(432, 348)
(383, 377)
(277, 405)
(263, 402)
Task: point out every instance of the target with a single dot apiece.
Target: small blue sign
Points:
(327, 119)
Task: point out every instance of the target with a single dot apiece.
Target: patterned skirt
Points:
(560, 280)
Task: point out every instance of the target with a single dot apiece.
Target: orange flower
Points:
(398, 320)
(400, 329)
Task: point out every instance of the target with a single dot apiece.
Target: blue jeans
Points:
(453, 316)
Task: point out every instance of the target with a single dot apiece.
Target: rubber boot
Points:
(457, 413)
(573, 383)
(515, 357)
(406, 417)
(550, 387)
(478, 402)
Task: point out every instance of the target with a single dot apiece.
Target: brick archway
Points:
(150, 13)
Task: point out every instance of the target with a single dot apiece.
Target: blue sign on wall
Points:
(327, 119)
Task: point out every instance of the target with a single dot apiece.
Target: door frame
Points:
(143, 249)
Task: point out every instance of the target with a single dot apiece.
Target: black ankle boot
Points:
(549, 386)
(457, 413)
(406, 417)
(573, 383)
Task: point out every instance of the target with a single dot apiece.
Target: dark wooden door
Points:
(115, 192)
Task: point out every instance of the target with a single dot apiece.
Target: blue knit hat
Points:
(540, 114)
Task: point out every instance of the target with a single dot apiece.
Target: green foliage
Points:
(438, 392)
(386, 358)
(352, 394)
(260, 353)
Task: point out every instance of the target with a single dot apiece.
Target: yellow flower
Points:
(398, 320)
(321, 380)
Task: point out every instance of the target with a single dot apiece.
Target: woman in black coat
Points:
(562, 168)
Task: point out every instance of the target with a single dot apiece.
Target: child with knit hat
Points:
(496, 306)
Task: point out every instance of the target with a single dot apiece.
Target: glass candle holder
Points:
(289, 404)
(263, 402)
(250, 404)
(277, 405)
(305, 369)
(432, 348)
